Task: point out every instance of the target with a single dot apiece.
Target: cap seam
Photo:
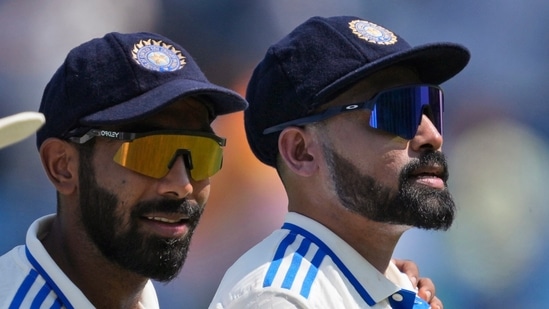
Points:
(315, 104)
(128, 62)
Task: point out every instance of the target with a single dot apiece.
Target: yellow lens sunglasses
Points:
(154, 153)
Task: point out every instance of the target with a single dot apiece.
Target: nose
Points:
(427, 136)
(177, 183)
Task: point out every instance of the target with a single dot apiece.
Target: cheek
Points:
(107, 172)
(201, 191)
(119, 180)
(389, 167)
(382, 164)
(375, 153)
(387, 156)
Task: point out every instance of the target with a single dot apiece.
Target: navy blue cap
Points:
(323, 57)
(121, 78)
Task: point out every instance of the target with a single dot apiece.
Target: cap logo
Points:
(372, 33)
(157, 56)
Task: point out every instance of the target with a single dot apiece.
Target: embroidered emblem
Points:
(372, 33)
(157, 56)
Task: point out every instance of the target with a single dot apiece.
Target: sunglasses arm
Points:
(330, 112)
(103, 133)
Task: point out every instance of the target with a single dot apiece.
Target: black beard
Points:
(413, 205)
(121, 242)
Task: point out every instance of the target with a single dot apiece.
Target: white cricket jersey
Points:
(305, 265)
(29, 278)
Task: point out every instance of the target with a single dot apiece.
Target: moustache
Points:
(185, 207)
(426, 160)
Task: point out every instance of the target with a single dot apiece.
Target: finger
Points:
(409, 268)
(436, 303)
(426, 289)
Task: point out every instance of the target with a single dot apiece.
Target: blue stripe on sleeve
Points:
(311, 273)
(23, 289)
(346, 272)
(49, 280)
(277, 259)
(57, 304)
(41, 296)
(296, 263)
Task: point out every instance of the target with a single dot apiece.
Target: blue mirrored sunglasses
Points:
(396, 110)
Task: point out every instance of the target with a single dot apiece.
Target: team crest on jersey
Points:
(157, 56)
(372, 33)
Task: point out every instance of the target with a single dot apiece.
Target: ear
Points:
(60, 161)
(298, 150)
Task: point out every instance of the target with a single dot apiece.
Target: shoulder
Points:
(282, 270)
(251, 267)
(15, 269)
(14, 264)
(245, 278)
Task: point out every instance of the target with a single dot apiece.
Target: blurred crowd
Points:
(496, 133)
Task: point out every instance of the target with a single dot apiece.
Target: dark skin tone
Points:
(426, 287)
(104, 283)
(381, 155)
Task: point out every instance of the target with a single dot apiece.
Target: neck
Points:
(374, 241)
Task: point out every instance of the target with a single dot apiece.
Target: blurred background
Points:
(496, 133)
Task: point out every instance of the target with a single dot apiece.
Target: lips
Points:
(430, 171)
(433, 176)
(167, 225)
(167, 219)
